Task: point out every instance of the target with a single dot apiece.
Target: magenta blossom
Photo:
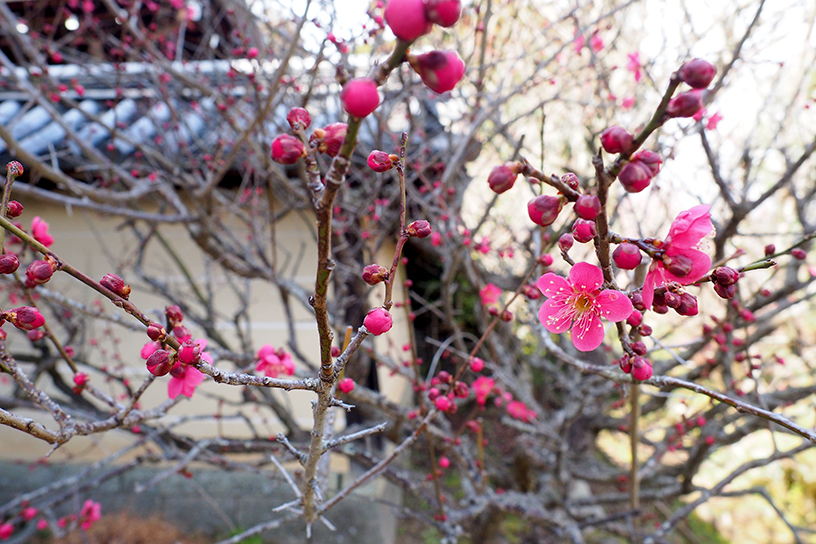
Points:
(579, 304)
(683, 262)
(39, 230)
(185, 378)
(490, 294)
(91, 513)
(273, 362)
(634, 65)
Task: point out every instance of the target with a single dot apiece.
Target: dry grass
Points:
(126, 528)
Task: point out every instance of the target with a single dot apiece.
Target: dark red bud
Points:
(9, 263)
(799, 254)
(770, 249)
(679, 265)
(39, 272)
(725, 291)
(174, 315)
(156, 332)
(503, 177)
(159, 363)
(685, 104)
(15, 209)
(116, 284)
(725, 275)
(698, 73)
(565, 241)
(419, 228)
(688, 305)
(638, 347)
(25, 318)
(672, 299)
(649, 159)
(635, 176)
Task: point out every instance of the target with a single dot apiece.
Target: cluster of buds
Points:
(287, 149)
(674, 297)
(697, 74)
(637, 174)
(410, 19)
(725, 281)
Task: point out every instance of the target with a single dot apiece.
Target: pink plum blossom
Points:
(91, 513)
(273, 362)
(518, 410)
(6, 530)
(596, 42)
(628, 102)
(482, 386)
(579, 304)
(634, 66)
(39, 230)
(185, 378)
(490, 294)
(683, 262)
(713, 121)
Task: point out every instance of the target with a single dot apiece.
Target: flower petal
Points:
(585, 277)
(555, 316)
(587, 332)
(615, 306)
(690, 226)
(174, 387)
(652, 278)
(553, 285)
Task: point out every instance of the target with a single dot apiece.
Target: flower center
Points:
(583, 303)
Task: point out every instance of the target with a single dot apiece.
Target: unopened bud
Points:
(770, 249)
(160, 363)
(531, 292)
(407, 19)
(587, 206)
(182, 333)
(15, 209)
(331, 138)
(25, 318)
(641, 368)
(565, 241)
(300, 117)
(443, 12)
(635, 176)
(627, 256)
(156, 332)
(440, 71)
(287, 149)
(116, 284)
(174, 315)
(39, 272)
(650, 160)
(419, 228)
(543, 209)
(678, 265)
(189, 353)
(725, 291)
(378, 321)
(380, 161)
(672, 299)
(725, 275)
(9, 263)
(616, 139)
(698, 73)
(14, 169)
(583, 231)
(638, 347)
(685, 104)
(503, 177)
(571, 180)
(799, 254)
(374, 274)
(688, 305)
(360, 97)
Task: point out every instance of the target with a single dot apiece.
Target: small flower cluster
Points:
(287, 149)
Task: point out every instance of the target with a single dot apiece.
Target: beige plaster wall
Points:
(97, 245)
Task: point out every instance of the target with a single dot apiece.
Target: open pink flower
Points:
(482, 387)
(185, 378)
(634, 65)
(683, 262)
(39, 230)
(579, 304)
(91, 513)
(518, 410)
(273, 362)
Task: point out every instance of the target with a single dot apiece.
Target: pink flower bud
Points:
(174, 315)
(116, 284)
(300, 117)
(634, 319)
(565, 241)
(679, 265)
(419, 228)
(252, 53)
(445, 13)
(503, 177)
(571, 180)
(531, 292)
(440, 71)
(625, 363)
(543, 209)
(444, 462)
(159, 363)
(770, 249)
(182, 333)
(25, 318)
(725, 275)
(725, 291)
(641, 368)
(688, 305)
(698, 73)
(442, 403)
(672, 300)
(15, 209)
(35, 335)
(378, 321)
(287, 149)
(189, 353)
(638, 347)
(331, 138)
(587, 206)
(156, 332)
(461, 390)
(685, 104)
(635, 176)
(407, 19)
(346, 385)
(360, 96)
(616, 139)
(374, 274)
(583, 231)
(799, 254)
(39, 272)
(627, 256)
(380, 161)
(545, 260)
(649, 159)
(476, 364)
(9, 263)
(444, 377)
